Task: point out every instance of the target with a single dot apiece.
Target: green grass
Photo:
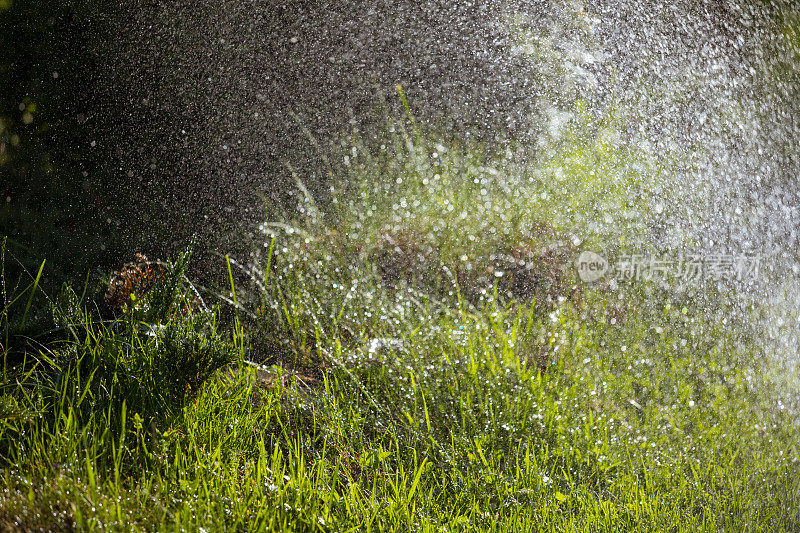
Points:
(413, 356)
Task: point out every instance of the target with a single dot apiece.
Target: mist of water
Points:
(221, 96)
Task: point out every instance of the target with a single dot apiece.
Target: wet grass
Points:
(414, 356)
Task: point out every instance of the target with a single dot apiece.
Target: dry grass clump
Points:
(537, 267)
(405, 255)
(531, 270)
(153, 286)
(131, 283)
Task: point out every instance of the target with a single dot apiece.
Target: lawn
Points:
(415, 354)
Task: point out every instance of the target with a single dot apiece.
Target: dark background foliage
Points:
(62, 197)
(46, 198)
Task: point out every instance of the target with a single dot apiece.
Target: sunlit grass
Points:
(415, 355)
